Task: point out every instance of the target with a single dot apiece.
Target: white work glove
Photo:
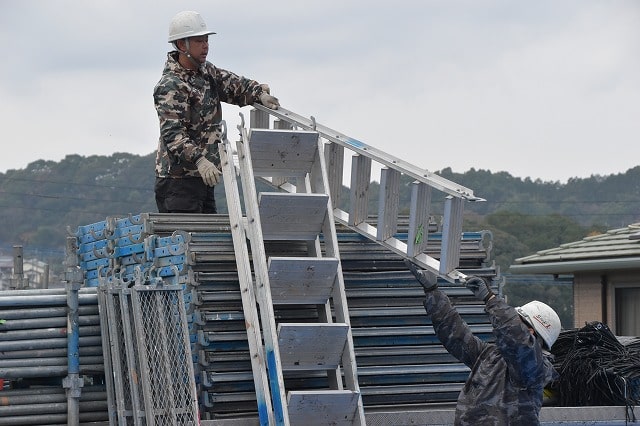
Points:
(208, 171)
(266, 99)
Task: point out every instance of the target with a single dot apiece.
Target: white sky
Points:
(543, 89)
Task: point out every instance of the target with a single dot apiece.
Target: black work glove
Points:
(427, 279)
(479, 287)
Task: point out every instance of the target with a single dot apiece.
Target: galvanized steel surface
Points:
(34, 360)
(401, 360)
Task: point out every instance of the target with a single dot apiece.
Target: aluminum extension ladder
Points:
(384, 230)
(321, 348)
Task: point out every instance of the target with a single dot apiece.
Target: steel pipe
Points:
(46, 343)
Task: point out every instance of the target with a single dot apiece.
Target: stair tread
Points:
(301, 280)
(282, 152)
(334, 407)
(311, 346)
(287, 216)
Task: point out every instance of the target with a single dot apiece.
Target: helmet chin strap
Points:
(187, 54)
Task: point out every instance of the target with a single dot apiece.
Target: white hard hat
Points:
(544, 320)
(187, 24)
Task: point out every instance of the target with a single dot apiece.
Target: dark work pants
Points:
(184, 195)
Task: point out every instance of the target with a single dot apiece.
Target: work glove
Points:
(479, 287)
(208, 171)
(427, 279)
(266, 99)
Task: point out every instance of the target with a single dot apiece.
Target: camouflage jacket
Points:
(507, 377)
(188, 106)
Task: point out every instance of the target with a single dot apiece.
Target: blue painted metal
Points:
(73, 330)
(356, 143)
(274, 382)
(394, 340)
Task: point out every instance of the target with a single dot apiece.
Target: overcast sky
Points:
(545, 89)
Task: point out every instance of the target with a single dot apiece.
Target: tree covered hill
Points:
(39, 203)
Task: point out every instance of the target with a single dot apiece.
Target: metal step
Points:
(321, 408)
(302, 280)
(306, 346)
(358, 217)
(318, 351)
(282, 152)
(287, 216)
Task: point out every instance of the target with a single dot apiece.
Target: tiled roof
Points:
(615, 249)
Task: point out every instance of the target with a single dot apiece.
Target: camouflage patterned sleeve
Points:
(517, 345)
(452, 331)
(235, 89)
(171, 97)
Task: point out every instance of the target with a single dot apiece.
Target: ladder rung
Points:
(292, 216)
(418, 218)
(282, 152)
(334, 158)
(302, 280)
(311, 346)
(360, 180)
(388, 203)
(325, 407)
(451, 235)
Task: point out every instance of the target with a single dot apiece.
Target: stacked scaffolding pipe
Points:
(34, 362)
(48, 406)
(385, 307)
(400, 360)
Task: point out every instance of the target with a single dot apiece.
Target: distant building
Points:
(6, 270)
(35, 273)
(606, 277)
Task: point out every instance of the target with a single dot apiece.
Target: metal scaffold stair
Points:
(320, 350)
(357, 218)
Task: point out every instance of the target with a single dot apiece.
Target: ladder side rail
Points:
(340, 306)
(379, 156)
(249, 307)
(267, 314)
(451, 235)
(418, 218)
(317, 182)
(388, 203)
(360, 180)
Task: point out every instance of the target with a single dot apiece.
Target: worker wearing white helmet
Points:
(188, 102)
(543, 319)
(508, 376)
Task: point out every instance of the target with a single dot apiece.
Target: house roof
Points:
(614, 250)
